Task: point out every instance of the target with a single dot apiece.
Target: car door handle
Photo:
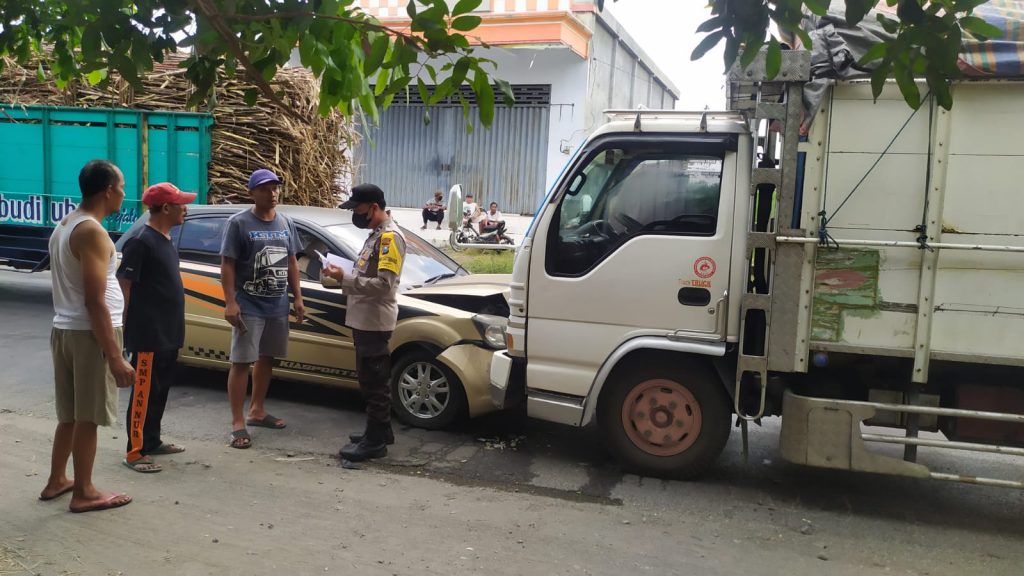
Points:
(694, 296)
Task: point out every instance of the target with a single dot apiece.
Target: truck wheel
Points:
(666, 420)
(424, 392)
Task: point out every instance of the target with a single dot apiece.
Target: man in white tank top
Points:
(86, 341)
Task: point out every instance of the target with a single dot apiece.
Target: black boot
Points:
(372, 445)
(389, 436)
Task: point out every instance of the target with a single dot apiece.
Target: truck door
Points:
(636, 242)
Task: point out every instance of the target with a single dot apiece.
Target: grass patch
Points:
(484, 261)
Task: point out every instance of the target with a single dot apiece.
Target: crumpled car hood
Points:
(477, 293)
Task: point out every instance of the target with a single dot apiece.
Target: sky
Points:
(665, 31)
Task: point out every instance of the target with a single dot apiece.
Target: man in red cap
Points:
(154, 321)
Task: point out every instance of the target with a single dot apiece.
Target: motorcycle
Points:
(468, 234)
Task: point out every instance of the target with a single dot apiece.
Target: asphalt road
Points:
(874, 523)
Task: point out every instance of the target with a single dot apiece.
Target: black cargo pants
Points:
(373, 367)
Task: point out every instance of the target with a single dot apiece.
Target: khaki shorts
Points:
(85, 388)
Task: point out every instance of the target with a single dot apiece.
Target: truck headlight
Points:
(492, 329)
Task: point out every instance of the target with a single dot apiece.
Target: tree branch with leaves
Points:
(361, 63)
(925, 36)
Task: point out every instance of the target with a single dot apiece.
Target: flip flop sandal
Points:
(240, 439)
(166, 448)
(113, 501)
(267, 421)
(143, 465)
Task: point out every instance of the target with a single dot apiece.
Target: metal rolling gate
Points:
(505, 164)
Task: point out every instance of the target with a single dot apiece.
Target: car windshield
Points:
(423, 262)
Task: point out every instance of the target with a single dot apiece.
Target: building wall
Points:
(567, 74)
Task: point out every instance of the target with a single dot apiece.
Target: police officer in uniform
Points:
(371, 313)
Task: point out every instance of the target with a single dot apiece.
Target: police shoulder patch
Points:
(388, 258)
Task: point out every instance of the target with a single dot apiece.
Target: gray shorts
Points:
(261, 337)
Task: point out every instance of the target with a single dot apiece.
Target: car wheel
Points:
(666, 419)
(424, 392)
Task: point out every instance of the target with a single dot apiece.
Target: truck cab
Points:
(629, 266)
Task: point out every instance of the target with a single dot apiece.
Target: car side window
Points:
(200, 239)
(621, 194)
(309, 262)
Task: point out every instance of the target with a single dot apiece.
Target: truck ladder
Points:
(775, 106)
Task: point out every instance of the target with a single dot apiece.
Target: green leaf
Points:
(817, 7)
(939, 87)
(40, 73)
(96, 76)
(750, 51)
(732, 49)
(888, 24)
(910, 12)
(506, 91)
(424, 93)
(466, 23)
(805, 38)
(773, 60)
(250, 96)
(857, 9)
(376, 56)
(426, 117)
(706, 44)
(92, 44)
(484, 97)
(711, 24)
(878, 78)
(410, 9)
(876, 52)
(465, 7)
(382, 81)
(460, 70)
(905, 80)
(980, 28)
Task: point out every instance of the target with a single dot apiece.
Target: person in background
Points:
(154, 321)
(258, 268)
(492, 220)
(470, 211)
(433, 210)
(86, 341)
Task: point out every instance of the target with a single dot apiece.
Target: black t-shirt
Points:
(156, 305)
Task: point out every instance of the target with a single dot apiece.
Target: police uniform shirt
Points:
(372, 288)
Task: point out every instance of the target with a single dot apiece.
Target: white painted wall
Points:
(566, 72)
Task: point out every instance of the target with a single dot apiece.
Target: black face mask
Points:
(361, 220)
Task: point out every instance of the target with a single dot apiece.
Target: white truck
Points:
(692, 267)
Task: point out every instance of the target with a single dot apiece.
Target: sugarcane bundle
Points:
(310, 152)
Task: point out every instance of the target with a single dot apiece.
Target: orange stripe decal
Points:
(140, 403)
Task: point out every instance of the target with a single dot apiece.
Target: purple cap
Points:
(262, 176)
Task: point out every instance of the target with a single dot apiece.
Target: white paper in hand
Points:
(334, 260)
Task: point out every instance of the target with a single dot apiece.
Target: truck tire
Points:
(665, 419)
(424, 392)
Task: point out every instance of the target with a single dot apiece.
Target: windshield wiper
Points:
(438, 278)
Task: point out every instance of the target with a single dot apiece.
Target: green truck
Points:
(42, 149)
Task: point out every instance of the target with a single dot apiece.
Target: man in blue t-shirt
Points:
(258, 267)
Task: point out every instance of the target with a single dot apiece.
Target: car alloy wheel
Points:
(424, 390)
